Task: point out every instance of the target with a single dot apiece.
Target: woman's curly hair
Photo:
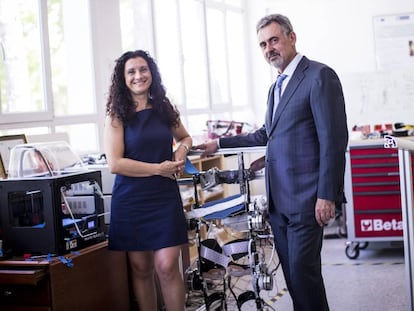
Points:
(120, 104)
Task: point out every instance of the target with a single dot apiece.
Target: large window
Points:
(200, 48)
(55, 57)
(46, 70)
(70, 57)
(21, 82)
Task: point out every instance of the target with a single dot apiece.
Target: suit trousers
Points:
(298, 239)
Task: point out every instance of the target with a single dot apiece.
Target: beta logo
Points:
(381, 225)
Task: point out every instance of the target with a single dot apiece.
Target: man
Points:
(306, 138)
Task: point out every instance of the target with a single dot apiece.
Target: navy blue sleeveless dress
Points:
(146, 212)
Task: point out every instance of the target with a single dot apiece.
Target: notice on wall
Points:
(382, 96)
(394, 41)
(387, 94)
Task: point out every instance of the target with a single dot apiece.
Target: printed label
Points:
(381, 225)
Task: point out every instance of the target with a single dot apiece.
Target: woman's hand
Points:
(171, 169)
(181, 153)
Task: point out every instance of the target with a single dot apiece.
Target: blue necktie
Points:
(277, 92)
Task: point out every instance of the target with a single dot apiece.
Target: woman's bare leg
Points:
(170, 278)
(142, 271)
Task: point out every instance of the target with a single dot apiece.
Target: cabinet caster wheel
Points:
(352, 250)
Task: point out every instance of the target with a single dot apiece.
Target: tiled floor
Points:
(375, 280)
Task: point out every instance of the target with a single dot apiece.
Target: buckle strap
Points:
(214, 256)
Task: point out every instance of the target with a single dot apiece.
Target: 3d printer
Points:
(51, 203)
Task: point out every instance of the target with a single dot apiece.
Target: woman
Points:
(147, 218)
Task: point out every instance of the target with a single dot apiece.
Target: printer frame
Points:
(33, 214)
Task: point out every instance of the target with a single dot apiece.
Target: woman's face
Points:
(138, 76)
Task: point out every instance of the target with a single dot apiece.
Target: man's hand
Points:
(324, 211)
(209, 147)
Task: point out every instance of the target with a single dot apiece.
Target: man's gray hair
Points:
(282, 20)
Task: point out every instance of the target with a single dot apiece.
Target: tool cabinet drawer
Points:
(23, 295)
(375, 178)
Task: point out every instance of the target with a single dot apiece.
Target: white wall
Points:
(340, 34)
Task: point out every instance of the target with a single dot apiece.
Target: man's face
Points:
(277, 48)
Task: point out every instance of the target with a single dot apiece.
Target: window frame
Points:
(10, 123)
(106, 32)
(217, 110)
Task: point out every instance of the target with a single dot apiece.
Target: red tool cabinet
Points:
(372, 190)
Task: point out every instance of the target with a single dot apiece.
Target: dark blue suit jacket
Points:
(306, 143)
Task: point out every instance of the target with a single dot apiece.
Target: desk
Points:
(98, 280)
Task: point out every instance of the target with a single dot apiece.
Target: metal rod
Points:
(406, 178)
